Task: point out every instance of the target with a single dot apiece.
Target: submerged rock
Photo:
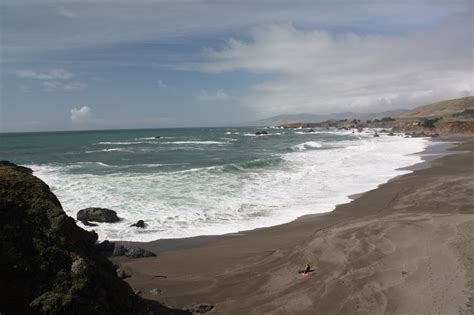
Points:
(98, 215)
(261, 133)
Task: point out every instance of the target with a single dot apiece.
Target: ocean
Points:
(208, 181)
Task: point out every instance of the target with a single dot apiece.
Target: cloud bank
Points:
(55, 79)
(323, 72)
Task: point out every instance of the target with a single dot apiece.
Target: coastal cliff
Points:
(48, 264)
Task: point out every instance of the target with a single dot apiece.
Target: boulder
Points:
(137, 252)
(119, 251)
(139, 224)
(97, 215)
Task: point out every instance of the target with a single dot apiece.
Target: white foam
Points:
(203, 201)
(195, 142)
(110, 150)
(115, 143)
(307, 146)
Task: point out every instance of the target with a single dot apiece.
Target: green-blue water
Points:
(186, 182)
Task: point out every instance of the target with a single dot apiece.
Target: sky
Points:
(76, 65)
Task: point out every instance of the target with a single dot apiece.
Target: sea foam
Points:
(233, 197)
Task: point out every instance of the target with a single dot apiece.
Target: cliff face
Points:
(456, 127)
(48, 264)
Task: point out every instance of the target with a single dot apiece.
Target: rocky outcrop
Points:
(97, 215)
(137, 252)
(48, 264)
(456, 127)
(110, 249)
(261, 133)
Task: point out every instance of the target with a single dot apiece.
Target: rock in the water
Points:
(87, 223)
(261, 133)
(201, 308)
(97, 215)
(155, 291)
(139, 224)
(157, 137)
(137, 252)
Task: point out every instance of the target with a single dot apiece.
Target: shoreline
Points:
(440, 147)
(403, 247)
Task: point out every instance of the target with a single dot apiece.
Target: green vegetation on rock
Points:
(48, 264)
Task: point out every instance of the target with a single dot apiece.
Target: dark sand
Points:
(406, 247)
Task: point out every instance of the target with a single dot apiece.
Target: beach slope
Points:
(403, 248)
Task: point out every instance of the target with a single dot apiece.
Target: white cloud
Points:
(219, 95)
(55, 79)
(54, 74)
(161, 84)
(80, 114)
(66, 13)
(318, 71)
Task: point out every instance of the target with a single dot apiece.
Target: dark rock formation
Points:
(139, 224)
(137, 252)
(261, 133)
(48, 264)
(97, 215)
(119, 251)
(157, 137)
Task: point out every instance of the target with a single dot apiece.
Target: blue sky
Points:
(70, 65)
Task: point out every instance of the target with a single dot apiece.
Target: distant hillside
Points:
(313, 118)
(441, 109)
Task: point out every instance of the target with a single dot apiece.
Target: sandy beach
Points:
(403, 248)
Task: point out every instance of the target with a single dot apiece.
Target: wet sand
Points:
(406, 247)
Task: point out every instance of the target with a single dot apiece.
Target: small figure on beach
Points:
(307, 269)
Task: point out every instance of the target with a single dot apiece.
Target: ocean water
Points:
(204, 181)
